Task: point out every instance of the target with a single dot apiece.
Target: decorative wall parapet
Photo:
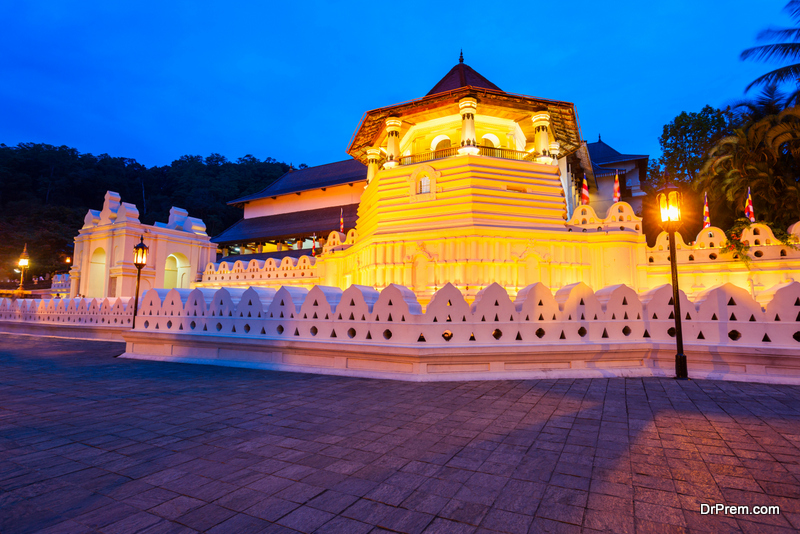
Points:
(620, 217)
(707, 247)
(236, 272)
(112, 312)
(573, 332)
(725, 315)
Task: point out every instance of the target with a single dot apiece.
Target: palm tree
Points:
(771, 101)
(763, 156)
(789, 49)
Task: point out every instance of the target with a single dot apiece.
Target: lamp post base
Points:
(681, 371)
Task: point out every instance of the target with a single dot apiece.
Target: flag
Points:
(706, 215)
(341, 220)
(314, 245)
(748, 207)
(617, 195)
(585, 191)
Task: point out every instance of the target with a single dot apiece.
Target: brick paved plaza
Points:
(92, 443)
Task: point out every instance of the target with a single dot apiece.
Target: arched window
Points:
(440, 142)
(490, 140)
(424, 182)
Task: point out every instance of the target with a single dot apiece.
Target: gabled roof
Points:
(297, 181)
(461, 75)
(603, 154)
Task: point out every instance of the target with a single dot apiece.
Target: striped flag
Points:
(748, 207)
(706, 215)
(617, 195)
(585, 191)
(314, 245)
(341, 220)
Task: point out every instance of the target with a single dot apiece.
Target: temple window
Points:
(440, 142)
(490, 141)
(424, 182)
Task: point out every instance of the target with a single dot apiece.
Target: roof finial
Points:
(599, 138)
(461, 56)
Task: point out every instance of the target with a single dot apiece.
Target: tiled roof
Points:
(296, 181)
(321, 221)
(602, 154)
(461, 75)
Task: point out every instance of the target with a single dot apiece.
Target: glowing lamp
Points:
(670, 203)
(139, 260)
(23, 263)
(140, 254)
(68, 260)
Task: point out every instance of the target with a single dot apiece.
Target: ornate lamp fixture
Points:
(23, 263)
(139, 260)
(669, 202)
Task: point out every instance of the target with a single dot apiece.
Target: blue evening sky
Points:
(291, 80)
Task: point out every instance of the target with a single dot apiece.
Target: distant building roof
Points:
(299, 180)
(298, 224)
(602, 154)
(461, 75)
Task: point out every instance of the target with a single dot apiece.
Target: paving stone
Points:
(92, 442)
(305, 519)
(272, 508)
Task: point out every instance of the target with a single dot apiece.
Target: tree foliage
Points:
(786, 49)
(763, 155)
(685, 141)
(45, 192)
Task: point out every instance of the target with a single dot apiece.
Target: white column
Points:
(373, 156)
(555, 150)
(541, 140)
(469, 144)
(392, 142)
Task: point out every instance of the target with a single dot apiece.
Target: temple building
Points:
(468, 185)
(607, 164)
(103, 264)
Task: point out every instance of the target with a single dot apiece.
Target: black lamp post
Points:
(139, 260)
(669, 201)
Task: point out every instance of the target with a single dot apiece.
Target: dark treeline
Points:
(45, 192)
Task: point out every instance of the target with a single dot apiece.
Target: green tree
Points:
(45, 191)
(787, 49)
(685, 141)
(763, 155)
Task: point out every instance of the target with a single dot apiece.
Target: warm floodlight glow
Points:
(140, 254)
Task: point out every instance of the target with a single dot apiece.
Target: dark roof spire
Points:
(462, 75)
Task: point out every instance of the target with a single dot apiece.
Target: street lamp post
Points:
(23, 263)
(139, 260)
(669, 201)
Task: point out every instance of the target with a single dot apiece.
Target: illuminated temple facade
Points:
(471, 185)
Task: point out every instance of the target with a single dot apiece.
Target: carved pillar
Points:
(373, 156)
(469, 144)
(541, 142)
(393, 142)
